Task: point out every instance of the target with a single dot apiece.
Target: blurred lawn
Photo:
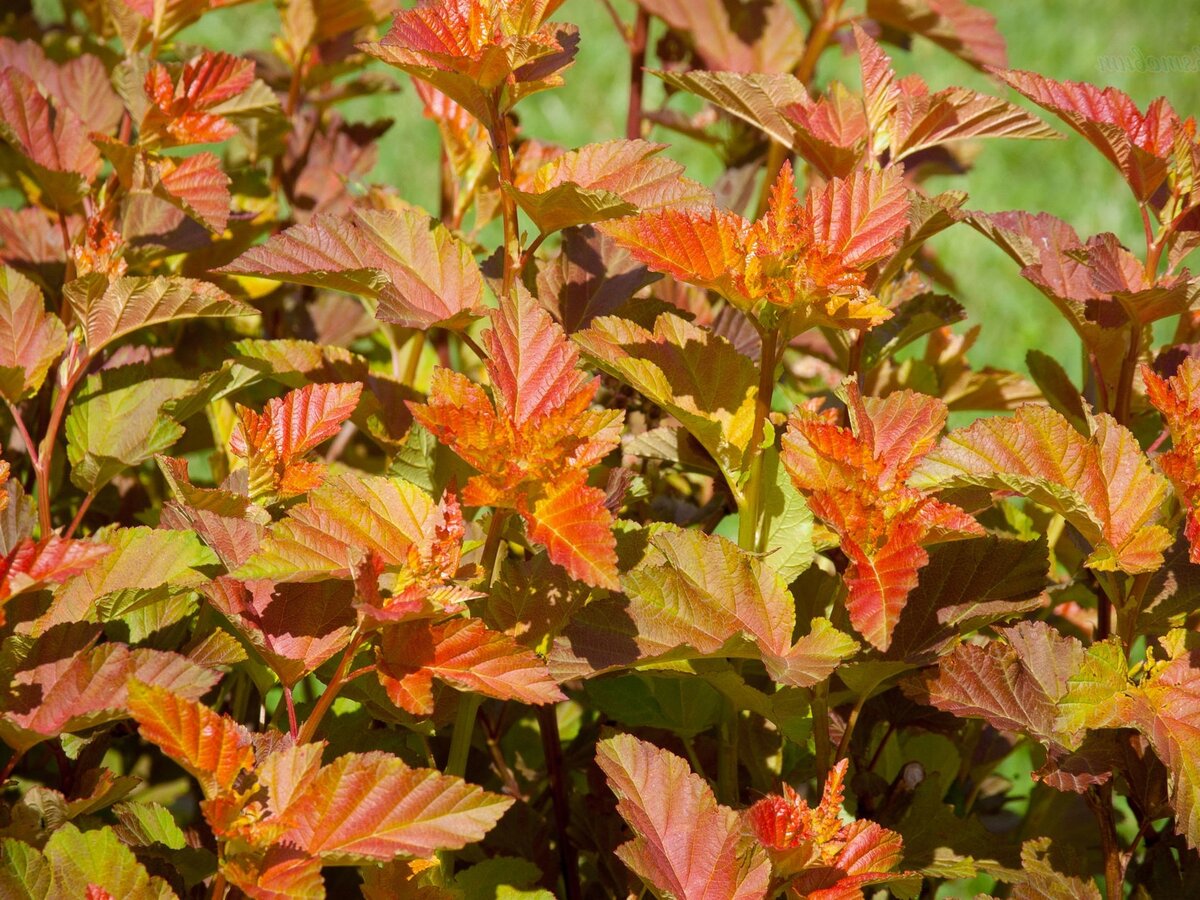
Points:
(1088, 40)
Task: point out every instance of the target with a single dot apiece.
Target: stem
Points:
(637, 62)
(9, 766)
(751, 511)
(291, 711)
(508, 206)
(818, 38)
(727, 757)
(503, 769)
(45, 458)
(218, 886)
(468, 705)
(844, 743)
(552, 746)
(460, 736)
(1100, 802)
(821, 744)
(530, 250)
(1130, 610)
(331, 690)
(414, 359)
(690, 749)
(1128, 370)
(475, 348)
(30, 449)
(78, 520)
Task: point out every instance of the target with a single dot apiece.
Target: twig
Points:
(637, 64)
(552, 745)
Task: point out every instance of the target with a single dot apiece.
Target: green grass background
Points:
(1066, 39)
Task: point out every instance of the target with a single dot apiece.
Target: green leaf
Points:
(682, 704)
(149, 823)
(912, 319)
(693, 596)
(693, 374)
(1058, 389)
(787, 521)
(145, 566)
(116, 423)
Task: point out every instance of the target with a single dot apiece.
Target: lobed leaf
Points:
(110, 310)
(371, 806)
(1102, 483)
(465, 654)
(213, 748)
(420, 274)
(685, 843)
(31, 339)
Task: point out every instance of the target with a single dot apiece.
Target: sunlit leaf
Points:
(685, 843)
(857, 480)
(31, 339)
(421, 274)
(464, 654)
(1102, 484)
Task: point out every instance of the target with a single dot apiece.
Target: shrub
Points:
(601, 533)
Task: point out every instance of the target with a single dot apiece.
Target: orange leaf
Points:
(572, 522)
(213, 748)
(272, 442)
(857, 481)
(536, 436)
(465, 654)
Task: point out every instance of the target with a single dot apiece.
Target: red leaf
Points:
(534, 444)
(181, 111)
(860, 218)
(200, 185)
(464, 654)
(52, 560)
(1138, 144)
(1178, 399)
(62, 684)
(419, 271)
(53, 141)
(808, 260)
(965, 30)
(686, 844)
(1102, 483)
(295, 627)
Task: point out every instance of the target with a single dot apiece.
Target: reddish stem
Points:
(78, 520)
(291, 711)
(637, 62)
(331, 690)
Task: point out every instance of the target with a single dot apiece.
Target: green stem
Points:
(822, 747)
(414, 359)
(508, 206)
(751, 510)
(460, 737)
